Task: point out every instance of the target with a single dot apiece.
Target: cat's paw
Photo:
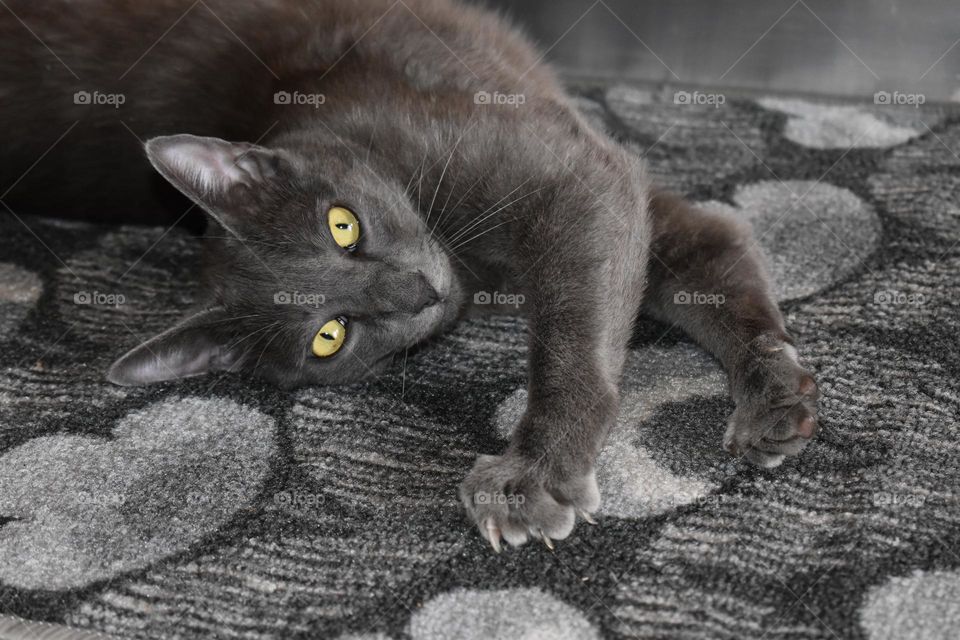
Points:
(507, 497)
(776, 414)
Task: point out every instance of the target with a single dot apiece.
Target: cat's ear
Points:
(221, 177)
(190, 348)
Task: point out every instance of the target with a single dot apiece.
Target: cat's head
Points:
(316, 270)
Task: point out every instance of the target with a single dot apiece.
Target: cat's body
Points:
(469, 172)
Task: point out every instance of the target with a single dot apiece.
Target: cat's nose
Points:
(398, 291)
(426, 295)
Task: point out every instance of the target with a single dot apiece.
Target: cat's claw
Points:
(547, 541)
(493, 535)
(586, 517)
(506, 496)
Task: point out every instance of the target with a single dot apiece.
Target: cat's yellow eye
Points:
(330, 338)
(344, 227)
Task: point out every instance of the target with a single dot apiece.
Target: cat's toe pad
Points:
(807, 427)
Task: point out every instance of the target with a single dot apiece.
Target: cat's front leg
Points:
(583, 275)
(708, 278)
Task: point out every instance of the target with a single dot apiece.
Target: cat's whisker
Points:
(463, 199)
(443, 174)
(420, 183)
(260, 338)
(235, 318)
(477, 222)
(237, 343)
(491, 206)
(414, 173)
(268, 244)
(265, 347)
(419, 188)
(479, 235)
(443, 211)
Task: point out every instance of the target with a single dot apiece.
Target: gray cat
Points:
(408, 157)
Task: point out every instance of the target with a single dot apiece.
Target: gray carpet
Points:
(223, 507)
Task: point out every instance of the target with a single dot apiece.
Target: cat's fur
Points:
(453, 197)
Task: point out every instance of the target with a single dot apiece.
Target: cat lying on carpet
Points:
(401, 159)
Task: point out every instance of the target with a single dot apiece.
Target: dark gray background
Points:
(829, 47)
